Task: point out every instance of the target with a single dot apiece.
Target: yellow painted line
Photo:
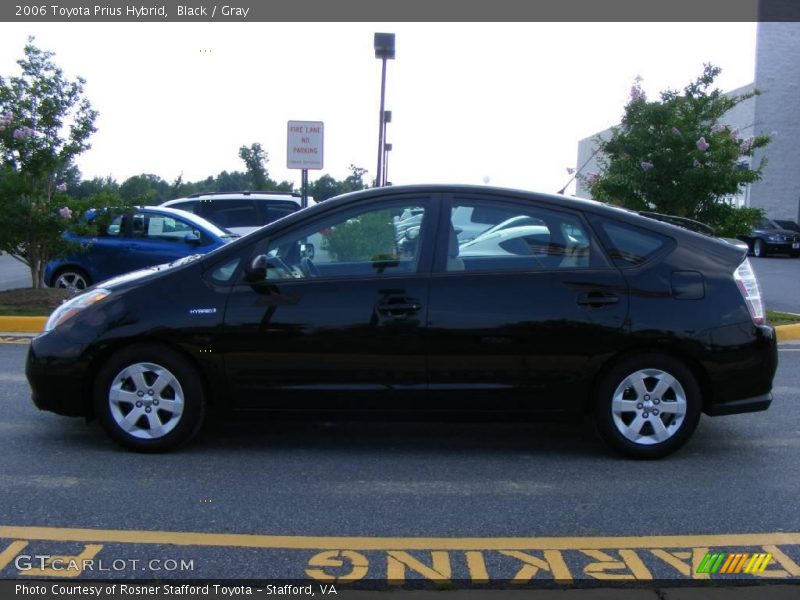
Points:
(22, 324)
(11, 339)
(240, 540)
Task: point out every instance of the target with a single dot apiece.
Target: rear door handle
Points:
(597, 299)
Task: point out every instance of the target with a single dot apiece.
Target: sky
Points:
(475, 103)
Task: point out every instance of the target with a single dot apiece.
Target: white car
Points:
(241, 212)
(508, 241)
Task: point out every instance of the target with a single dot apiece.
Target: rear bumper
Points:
(741, 367)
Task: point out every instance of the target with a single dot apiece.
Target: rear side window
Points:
(630, 246)
(232, 213)
(275, 212)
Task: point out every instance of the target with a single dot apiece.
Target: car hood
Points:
(128, 278)
(784, 232)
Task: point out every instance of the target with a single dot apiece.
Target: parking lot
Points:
(380, 501)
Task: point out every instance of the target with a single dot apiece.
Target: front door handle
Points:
(597, 299)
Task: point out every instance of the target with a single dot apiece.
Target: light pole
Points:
(384, 49)
(387, 147)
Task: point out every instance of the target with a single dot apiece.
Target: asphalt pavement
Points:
(379, 501)
(13, 274)
(779, 278)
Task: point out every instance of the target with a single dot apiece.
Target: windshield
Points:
(769, 224)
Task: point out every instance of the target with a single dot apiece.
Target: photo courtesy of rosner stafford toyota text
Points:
(346, 299)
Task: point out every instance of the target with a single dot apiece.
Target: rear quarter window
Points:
(630, 246)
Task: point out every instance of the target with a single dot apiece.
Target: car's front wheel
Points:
(149, 398)
(647, 406)
(72, 279)
(759, 248)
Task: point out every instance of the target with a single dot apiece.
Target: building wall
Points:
(776, 109)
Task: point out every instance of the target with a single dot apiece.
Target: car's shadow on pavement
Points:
(264, 435)
(403, 435)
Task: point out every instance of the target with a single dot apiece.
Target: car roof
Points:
(293, 197)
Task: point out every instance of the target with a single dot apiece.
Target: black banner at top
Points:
(185, 11)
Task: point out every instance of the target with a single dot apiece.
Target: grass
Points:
(775, 317)
(31, 302)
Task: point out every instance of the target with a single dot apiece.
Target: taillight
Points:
(745, 279)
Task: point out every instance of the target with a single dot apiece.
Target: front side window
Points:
(488, 235)
(161, 227)
(367, 241)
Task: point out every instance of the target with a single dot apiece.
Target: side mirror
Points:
(192, 238)
(257, 269)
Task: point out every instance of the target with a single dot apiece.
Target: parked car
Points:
(770, 238)
(788, 225)
(149, 236)
(241, 212)
(638, 323)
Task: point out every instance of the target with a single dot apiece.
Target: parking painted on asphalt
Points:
(53, 551)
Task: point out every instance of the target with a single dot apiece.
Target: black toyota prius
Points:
(492, 299)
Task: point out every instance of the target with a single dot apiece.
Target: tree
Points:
(45, 122)
(674, 156)
(256, 160)
(327, 187)
(355, 181)
(145, 189)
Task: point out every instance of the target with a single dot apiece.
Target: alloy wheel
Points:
(71, 280)
(146, 401)
(649, 406)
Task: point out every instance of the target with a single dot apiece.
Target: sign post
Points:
(304, 150)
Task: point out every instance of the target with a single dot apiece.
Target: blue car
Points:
(149, 236)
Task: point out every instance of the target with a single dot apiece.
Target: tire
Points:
(626, 411)
(71, 278)
(759, 248)
(127, 388)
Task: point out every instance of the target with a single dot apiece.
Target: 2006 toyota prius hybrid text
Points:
(571, 307)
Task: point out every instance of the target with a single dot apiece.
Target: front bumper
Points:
(55, 369)
(782, 247)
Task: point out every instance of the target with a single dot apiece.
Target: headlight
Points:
(73, 306)
(775, 238)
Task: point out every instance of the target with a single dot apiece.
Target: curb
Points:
(22, 324)
(788, 332)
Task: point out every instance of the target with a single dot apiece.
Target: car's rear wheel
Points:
(647, 406)
(72, 279)
(759, 248)
(149, 398)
